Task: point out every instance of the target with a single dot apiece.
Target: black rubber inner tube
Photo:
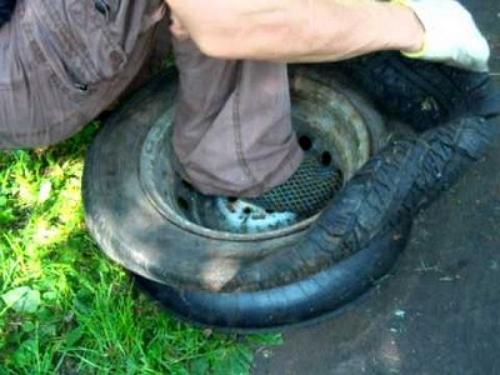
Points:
(438, 158)
(421, 93)
(298, 302)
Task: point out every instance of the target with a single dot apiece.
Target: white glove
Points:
(452, 36)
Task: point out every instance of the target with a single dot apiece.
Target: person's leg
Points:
(233, 134)
(65, 61)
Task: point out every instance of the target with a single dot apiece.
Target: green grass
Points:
(64, 308)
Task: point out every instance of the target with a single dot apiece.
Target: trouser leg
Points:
(232, 129)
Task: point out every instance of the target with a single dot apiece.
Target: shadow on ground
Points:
(438, 313)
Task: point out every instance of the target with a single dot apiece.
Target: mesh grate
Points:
(307, 192)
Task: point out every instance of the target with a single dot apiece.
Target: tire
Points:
(393, 185)
(449, 151)
(132, 231)
(420, 93)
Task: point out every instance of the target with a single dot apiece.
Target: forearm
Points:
(342, 29)
(298, 30)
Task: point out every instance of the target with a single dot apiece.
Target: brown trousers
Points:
(233, 132)
(62, 62)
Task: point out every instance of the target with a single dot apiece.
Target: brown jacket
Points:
(62, 62)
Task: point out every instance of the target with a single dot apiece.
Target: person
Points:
(65, 61)
(240, 142)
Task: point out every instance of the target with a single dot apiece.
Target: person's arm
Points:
(298, 30)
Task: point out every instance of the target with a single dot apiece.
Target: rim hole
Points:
(305, 143)
(326, 159)
(232, 199)
(247, 210)
(269, 212)
(182, 203)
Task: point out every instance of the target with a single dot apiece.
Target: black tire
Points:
(420, 93)
(393, 185)
(449, 151)
(131, 230)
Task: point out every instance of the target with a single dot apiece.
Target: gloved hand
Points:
(452, 36)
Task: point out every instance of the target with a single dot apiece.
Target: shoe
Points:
(306, 193)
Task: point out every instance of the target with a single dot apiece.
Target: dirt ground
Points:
(439, 310)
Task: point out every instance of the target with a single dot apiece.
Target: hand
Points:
(452, 36)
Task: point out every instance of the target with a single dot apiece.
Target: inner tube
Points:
(308, 300)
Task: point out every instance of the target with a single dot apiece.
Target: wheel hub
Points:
(338, 134)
